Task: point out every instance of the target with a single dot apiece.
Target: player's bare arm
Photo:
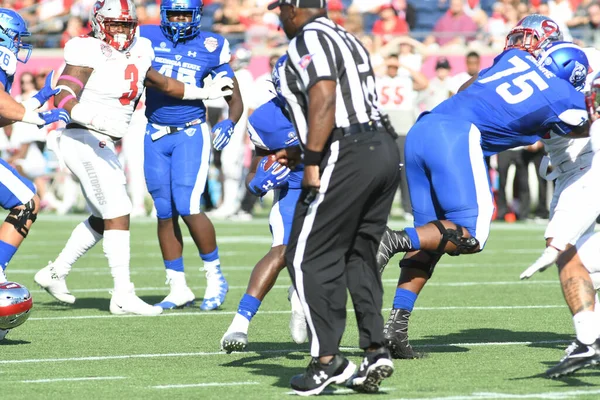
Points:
(71, 82)
(12, 111)
(213, 88)
(581, 131)
(235, 103)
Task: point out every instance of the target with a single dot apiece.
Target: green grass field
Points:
(486, 334)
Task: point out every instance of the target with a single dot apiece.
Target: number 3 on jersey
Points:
(521, 81)
(131, 75)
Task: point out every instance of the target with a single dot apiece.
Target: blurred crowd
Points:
(401, 36)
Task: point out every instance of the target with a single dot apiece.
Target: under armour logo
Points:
(178, 57)
(191, 53)
(321, 377)
(268, 185)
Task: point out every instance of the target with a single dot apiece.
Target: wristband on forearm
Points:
(312, 157)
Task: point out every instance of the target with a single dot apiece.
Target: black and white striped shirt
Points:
(326, 51)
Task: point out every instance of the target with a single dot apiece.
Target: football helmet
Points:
(13, 29)
(533, 33)
(180, 31)
(240, 57)
(567, 61)
(275, 77)
(106, 12)
(593, 97)
(15, 305)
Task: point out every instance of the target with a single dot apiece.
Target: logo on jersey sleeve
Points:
(211, 44)
(305, 61)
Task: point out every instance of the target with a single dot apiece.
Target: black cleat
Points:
(580, 356)
(376, 366)
(318, 376)
(392, 242)
(395, 333)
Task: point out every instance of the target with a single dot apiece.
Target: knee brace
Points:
(425, 266)
(18, 217)
(463, 245)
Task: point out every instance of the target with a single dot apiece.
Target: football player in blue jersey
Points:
(270, 130)
(177, 145)
(18, 194)
(512, 103)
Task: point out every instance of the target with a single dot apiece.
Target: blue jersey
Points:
(189, 62)
(270, 129)
(515, 102)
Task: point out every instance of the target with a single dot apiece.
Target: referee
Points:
(351, 172)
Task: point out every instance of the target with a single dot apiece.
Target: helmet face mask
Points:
(180, 29)
(532, 34)
(13, 29)
(114, 24)
(276, 78)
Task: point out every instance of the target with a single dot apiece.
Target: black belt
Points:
(354, 129)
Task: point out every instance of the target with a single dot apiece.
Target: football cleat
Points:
(54, 283)
(126, 302)
(298, 328)
(318, 376)
(234, 341)
(216, 290)
(392, 242)
(395, 333)
(581, 356)
(3, 333)
(376, 366)
(179, 297)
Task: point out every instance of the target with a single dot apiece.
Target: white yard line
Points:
(201, 385)
(225, 313)
(220, 353)
(338, 391)
(91, 378)
(568, 394)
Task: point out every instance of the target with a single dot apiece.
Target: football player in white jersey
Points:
(104, 77)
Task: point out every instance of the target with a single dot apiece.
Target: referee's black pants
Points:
(334, 239)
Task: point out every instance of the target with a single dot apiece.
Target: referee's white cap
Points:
(299, 4)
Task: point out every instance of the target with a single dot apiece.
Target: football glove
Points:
(548, 257)
(212, 88)
(58, 114)
(274, 177)
(46, 92)
(222, 131)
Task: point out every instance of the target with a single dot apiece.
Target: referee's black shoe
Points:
(376, 366)
(395, 333)
(318, 376)
(581, 356)
(392, 242)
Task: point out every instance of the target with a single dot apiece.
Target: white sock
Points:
(117, 251)
(587, 326)
(2, 276)
(176, 278)
(82, 239)
(239, 324)
(212, 266)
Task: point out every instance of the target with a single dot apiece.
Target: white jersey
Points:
(564, 150)
(396, 93)
(117, 81)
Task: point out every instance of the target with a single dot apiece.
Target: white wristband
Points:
(31, 104)
(191, 92)
(32, 117)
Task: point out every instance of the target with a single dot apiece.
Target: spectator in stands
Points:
(473, 65)
(335, 11)
(521, 182)
(410, 52)
(388, 25)
(354, 24)
(406, 11)
(227, 22)
(580, 16)
(561, 12)
(534, 154)
(504, 18)
(368, 10)
(377, 61)
(74, 28)
(472, 8)
(591, 30)
(440, 86)
(454, 27)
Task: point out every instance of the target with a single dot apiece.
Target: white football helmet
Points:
(533, 33)
(105, 12)
(15, 305)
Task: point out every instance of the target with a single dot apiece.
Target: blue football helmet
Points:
(180, 31)
(567, 61)
(276, 79)
(13, 29)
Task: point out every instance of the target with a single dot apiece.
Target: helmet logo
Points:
(549, 27)
(578, 74)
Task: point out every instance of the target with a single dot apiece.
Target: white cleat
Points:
(126, 302)
(3, 333)
(180, 296)
(54, 283)
(298, 328)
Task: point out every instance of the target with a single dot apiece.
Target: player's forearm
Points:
(321, 114)
(235, 103)
(12, 111)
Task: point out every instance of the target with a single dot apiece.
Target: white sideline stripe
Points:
(91, 378)
(350, 310)
(220, 353)
(209, 384)
(485, 395)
